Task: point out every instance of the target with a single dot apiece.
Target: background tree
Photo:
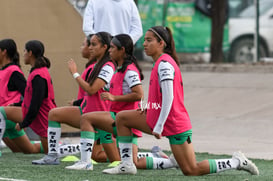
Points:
(218, 19)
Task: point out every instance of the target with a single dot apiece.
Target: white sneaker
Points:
(174, 162)
(81, 165)
(122, 168)
(157, 152)
(245, 164)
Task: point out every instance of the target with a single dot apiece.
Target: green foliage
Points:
(18, 166)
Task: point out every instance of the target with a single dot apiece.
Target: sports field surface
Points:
(18, 167)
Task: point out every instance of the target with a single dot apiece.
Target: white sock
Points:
(54, 135)
(226, 164)
(69, 149)
(2, 125)
(86, 149)
(145, 154)
(126, 152)
(162, 163)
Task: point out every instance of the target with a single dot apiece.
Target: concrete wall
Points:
(58, 26)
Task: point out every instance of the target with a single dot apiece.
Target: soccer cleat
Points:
(122, 168)
(157, 152)
(174, 162)
(245, 164)
(81, 165)
(47, 160)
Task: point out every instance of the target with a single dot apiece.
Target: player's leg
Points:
(150, 162)
(25, 146)
(19, 139)
(9, 112)
(11, 145)
(12, 113)
(183, 152)
(98, 154)
(184, 155)
(69, 115)
(90, 121)
(109, 145)
(126, 120)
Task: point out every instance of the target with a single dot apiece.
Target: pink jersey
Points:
(7, 97)
(94, 102)
(178, 120)
(40, 124)
(84, 76)
(116, 89)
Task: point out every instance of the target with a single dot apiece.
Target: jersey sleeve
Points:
(165, 71)
(106, 73)
(132, 78)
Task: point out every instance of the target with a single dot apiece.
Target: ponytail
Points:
(37, 48)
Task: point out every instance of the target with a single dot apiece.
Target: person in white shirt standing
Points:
(114, 17)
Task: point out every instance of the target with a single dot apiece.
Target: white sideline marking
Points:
(11, 179)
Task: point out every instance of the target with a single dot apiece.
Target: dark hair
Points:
(165, 34)
(105, 39)
(37, 48)
(10, 46)
(88, 38)
(124, 40)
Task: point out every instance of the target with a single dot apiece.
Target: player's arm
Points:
(136, 92)
(166, 76)
(39, 92)
(103, 78)
(17, 82)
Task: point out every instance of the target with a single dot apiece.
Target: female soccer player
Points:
(38, 96)
(99, 76)
(166, 115)
(125, 93)
(13, 85)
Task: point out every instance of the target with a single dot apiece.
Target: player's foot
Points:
(114, 164)
(47, 160)
(157, 152)
(245, 164)
(81, 165)
(174, 162)
(122, 168)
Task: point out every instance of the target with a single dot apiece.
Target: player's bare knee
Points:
(120, 118)
(84, 120)
(52, 115)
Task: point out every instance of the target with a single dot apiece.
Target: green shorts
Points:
(11, 132)
(101, 136)
(113, 115)
(105, 137)
(179, 139)
(80, 110)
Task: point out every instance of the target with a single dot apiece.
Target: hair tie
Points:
(157, 34)
(116, 42)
